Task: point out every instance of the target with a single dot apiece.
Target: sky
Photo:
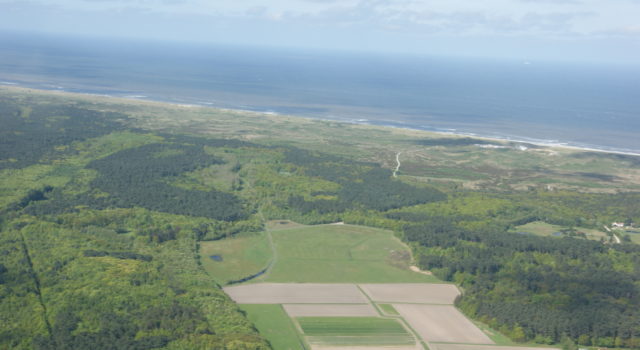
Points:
(567, 30)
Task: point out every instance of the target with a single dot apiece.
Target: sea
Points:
(587, 105)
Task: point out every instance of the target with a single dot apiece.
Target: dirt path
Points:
(274, 256)
(616, 238)
(395, 172)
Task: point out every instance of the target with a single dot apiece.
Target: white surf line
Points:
(395, 172)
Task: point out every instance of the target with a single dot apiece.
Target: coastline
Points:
(141, 98)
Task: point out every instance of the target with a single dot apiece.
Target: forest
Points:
(100, 222)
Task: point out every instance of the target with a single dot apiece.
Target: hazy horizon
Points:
(525, 30)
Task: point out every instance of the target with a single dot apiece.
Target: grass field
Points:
(541, 228)
(635, 238)
(354, 331)
(274, 324)
(388, 309)
(497, 337)
(340, 254)
(242, 256)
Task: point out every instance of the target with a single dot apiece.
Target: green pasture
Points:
(242, 256)
(274, 324)
(340, 254)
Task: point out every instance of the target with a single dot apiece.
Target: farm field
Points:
(441, 323)
(341, 254)
(420, 293)
(345, 315)
(307, 293)
(483, 347)
(317, 262)
(374, 331)
(328, 310)
(238, 257)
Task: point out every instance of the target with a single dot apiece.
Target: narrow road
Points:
(395, 172)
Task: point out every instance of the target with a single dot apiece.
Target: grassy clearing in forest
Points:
(540, 228)
(241, 256)
(340, 254)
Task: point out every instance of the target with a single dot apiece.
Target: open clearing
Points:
(421, 293)
(541, 228)
(441, 323)
(340, 254)
(355, 331)
(303, 310)
(482, 347)
(292, 293)
(239, 256)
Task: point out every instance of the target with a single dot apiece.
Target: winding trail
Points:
(395, 172)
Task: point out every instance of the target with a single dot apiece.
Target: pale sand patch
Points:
(427, 293)
(375, 347)
(296, 293)
(481, 347)
(417, 269)
(441, 323)
(324, 310)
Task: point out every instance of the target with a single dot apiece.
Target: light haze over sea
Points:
(586, 105)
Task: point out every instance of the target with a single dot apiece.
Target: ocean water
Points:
(585, 105)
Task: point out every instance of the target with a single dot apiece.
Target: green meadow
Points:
(340, 253)
(275, 325)
(241, 256)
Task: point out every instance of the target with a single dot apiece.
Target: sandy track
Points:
(481, 347)
(294, 293)
(325, 310)
(426, 293)
(441, 323)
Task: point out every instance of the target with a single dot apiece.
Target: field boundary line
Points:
(274, 258)
(419, 341)
(299, 334)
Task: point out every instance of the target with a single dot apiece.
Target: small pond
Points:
(216, 257)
